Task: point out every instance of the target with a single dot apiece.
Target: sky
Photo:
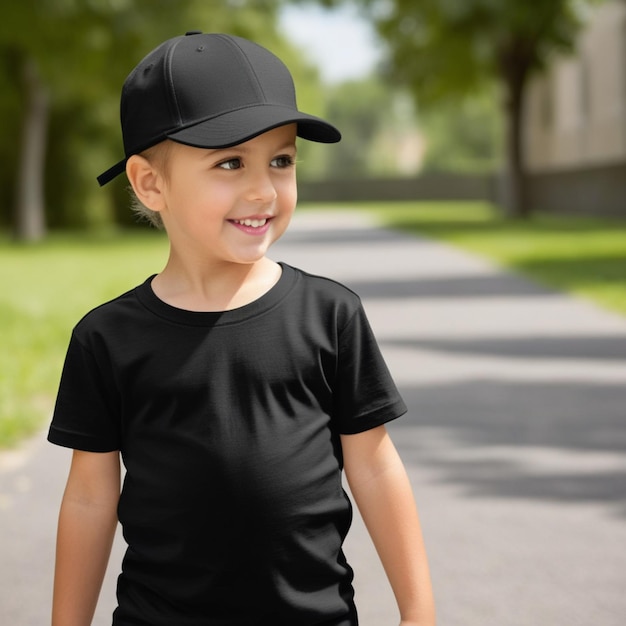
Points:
(342, 44)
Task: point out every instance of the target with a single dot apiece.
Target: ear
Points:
(146, 181)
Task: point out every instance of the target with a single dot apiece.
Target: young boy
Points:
(234, 388)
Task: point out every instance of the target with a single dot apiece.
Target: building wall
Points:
(576, 112)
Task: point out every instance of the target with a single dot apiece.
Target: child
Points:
(234, 388)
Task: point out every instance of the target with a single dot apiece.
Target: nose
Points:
(261, 188)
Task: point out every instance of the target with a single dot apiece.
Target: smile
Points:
(252, 225)
(254, 222)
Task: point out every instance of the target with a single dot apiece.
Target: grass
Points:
(583, 256)
(46, 288)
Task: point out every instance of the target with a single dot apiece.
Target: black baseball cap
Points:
(209, 91)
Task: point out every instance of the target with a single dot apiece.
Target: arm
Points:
(382, 492)
(87, 523)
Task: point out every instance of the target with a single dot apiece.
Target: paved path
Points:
(515, 440)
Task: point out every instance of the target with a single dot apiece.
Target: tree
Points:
(359, 108)
(380, 133)
(448, 48)
(463, 136)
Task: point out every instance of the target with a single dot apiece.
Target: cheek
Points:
(288, 194)
(205, 201)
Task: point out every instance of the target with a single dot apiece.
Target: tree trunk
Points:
(30, 224)
(515, 198)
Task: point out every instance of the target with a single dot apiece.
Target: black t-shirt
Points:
(228, 424)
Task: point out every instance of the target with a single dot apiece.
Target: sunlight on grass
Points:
(46, 289)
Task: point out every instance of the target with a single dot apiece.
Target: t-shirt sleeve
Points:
(366, 395)
(85, 415)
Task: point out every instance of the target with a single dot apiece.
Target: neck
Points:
(202, 288)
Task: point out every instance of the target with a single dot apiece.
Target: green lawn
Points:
(46, 288)
(583, 256)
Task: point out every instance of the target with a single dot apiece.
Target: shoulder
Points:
(323, 293)
(110, 316)
(325, 287)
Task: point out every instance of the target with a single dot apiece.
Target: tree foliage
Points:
(358, 109)
(464, 135)
(380, 133)
(449, 47)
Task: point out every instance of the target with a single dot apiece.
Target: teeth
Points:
(253, 223)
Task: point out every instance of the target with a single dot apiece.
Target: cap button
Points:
(193, 32)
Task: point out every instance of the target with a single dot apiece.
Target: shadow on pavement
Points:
(491, 286)
(550, 441)
(605, 347)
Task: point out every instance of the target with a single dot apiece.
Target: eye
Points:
(283, 161)
(230, 164)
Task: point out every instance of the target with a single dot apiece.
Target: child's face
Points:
(230, 204)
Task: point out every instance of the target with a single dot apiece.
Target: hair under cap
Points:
(209, 91)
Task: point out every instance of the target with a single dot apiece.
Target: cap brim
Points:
(242, 125)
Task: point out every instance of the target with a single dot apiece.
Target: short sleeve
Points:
(365, 394)
(86, 414)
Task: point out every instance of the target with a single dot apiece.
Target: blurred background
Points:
(500, 101)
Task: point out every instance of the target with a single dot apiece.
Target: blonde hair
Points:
(158, 156)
